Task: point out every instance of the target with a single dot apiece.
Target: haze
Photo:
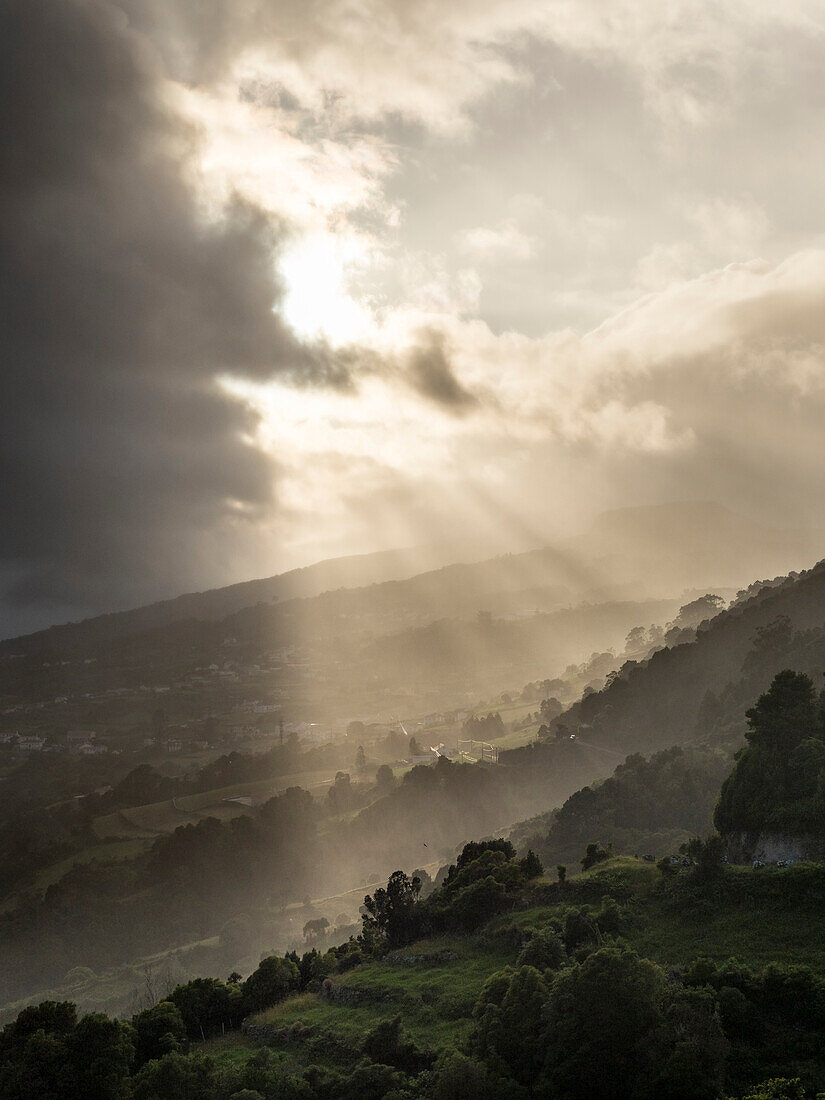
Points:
(285, 282)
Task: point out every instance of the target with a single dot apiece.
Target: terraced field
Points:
(157, 818)
(433, 984)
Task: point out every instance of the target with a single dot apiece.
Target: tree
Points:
(707, 854)
(274, 979)
(205, 1003)
(598, 1015)
(509, 1023)
(687, 1053)
(390, 1046)
(550, 709)
(561, 871)
(392, 911)
(427, 884)
(263, 1075)
(785, 715)
(340, 794)
(415, 748)
(47, 1052)
(531, 865)
(360, 759)
(184, 1077)
(158, 1031)
(476, 848)
(100, 1051)
(458, 1077)
(544, 951)
(774, 785)
(778, 1088)
(315, 930)
(385, 779)
(34, 1051)
(593, 855)
(635, 640)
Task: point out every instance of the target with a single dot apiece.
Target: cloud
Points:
(425, 61)
(126, 469)
(505, 241)
(431, 61)
(431, 374)
(182, 182)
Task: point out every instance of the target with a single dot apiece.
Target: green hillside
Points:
(636, 980)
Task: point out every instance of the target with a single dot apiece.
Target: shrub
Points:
(544, 951)
(388, 1045)
(593, 855)
(458, 1077)
(531, 865)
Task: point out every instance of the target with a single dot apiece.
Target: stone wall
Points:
(774, 847)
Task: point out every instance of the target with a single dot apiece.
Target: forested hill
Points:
(702, 688)
(631, 553)
(217, 603)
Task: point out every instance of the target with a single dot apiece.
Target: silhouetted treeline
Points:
(573, 1015)
(703, 687)
(641, 808)
(778, 784)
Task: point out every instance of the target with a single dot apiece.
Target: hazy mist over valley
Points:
(412, 550)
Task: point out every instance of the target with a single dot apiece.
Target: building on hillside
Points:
(91, 748)
(442, 750)
(174, 744)
(31, 743)
(425, 758)
(76, 739)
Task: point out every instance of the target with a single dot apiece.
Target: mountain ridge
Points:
(649, 551)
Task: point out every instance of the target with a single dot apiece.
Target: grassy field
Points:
(47, 876)
(156, 818)
(772, 918)
(745, 919)
(435, 998)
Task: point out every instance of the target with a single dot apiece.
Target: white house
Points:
(31, 743)
(90, 749)
(76, 739)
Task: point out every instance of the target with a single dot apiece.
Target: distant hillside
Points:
(215, 604)
(701, 688)
(628, 554)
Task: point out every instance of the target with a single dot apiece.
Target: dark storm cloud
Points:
(430, 373)
(119, 305)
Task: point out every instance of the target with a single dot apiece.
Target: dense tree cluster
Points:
(576, 1015)
(483, 727)
(474, 888)
(647, 804)
(778, 784)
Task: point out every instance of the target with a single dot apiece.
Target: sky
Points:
(287, 280)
